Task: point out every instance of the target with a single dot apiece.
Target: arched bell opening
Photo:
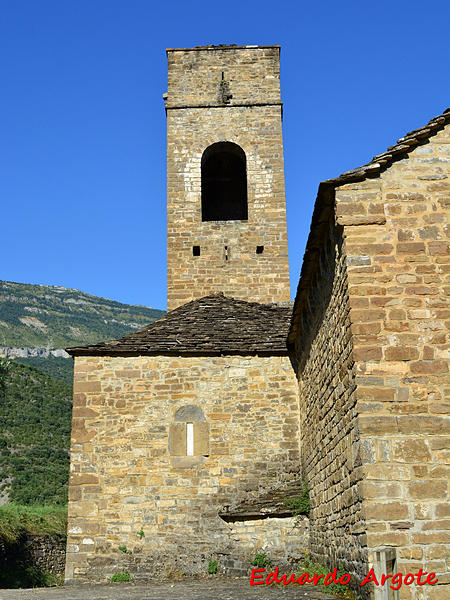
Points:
(224, 183)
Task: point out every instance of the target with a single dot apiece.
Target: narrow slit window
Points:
(190, 439)
(259, 249)
(189, 433)
(196, 250)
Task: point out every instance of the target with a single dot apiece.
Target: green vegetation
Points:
(335, 589)
(27, 576)
(35, 421)
(120, 577)
(56, 366)
(4, 369)
(16, 520)
(213, 565)
(141, 533)
(40, 316)
(299, 504)
(261, 560)
(36, 392)
(124, 549)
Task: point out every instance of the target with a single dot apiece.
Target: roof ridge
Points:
(323, 207)
(405, 144)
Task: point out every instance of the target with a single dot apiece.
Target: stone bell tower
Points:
(226, 208)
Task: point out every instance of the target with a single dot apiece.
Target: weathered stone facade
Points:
(178, 422)
(400, 316)
(124, 479)
(198, 115)
(377, 322)
(331, 463)
(280, 539)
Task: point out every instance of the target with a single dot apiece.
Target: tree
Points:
(4, 369)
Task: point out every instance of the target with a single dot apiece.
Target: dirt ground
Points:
(220, 588)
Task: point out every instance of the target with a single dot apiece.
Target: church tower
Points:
(226, 208)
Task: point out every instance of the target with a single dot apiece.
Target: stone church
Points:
(192, 436)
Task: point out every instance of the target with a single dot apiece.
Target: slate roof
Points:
(212, 325)
(404, 145)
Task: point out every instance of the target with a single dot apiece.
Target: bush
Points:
(213, 566)
(299, 504)
(120, 577)
(261, 560)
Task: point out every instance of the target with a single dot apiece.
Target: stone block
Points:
(411, 450)
(411, 553)
(421, 490)
(410, 247)
(438, 592)
(429, 367)
(83, 479)
(386, 511)
(443, 510)
(401, 352)
(87, 386)
(381, 425)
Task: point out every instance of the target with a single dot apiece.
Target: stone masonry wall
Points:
(126, 490)
(283, 540)
(47, 553)
(252, 119)
(396, 229)
(330, 441)
(252, 73)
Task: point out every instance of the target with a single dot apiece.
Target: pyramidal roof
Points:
(212, 325)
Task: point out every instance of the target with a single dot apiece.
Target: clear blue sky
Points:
(82, 142)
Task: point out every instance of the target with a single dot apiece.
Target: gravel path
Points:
(220, 588)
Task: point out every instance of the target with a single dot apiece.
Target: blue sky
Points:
(82, 144)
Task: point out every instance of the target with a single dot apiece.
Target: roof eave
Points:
(74, 352)
(324, 203)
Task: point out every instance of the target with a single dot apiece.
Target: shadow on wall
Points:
(33, 561)
(314, 295)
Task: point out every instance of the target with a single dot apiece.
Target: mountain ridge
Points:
(36, 323)
(55, 317)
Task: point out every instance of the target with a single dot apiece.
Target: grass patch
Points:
(120, 577)
(299, 504)
(335, 589)
(16, 520)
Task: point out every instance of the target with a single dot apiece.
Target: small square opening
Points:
(259, 249)
(196, 250)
